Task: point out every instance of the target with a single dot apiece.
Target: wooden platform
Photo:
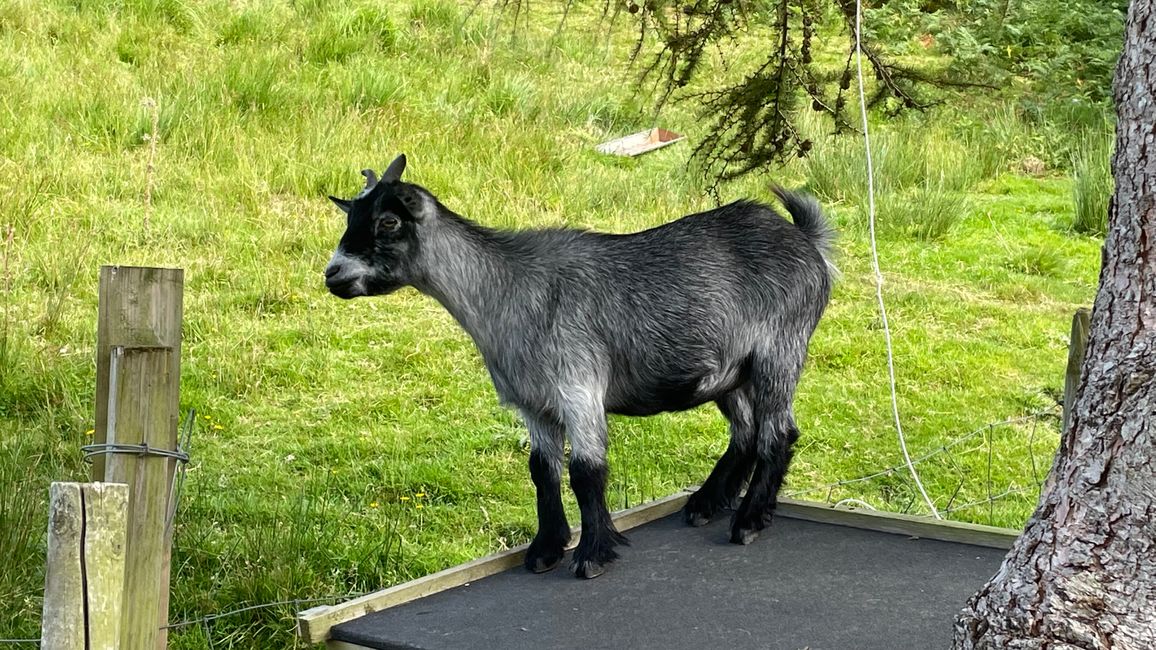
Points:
(818, 578)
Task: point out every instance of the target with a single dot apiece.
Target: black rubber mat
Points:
(800, 585)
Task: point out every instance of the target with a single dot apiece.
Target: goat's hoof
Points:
(542, 564)
(695, 519)
(546, 551)
(588, 569)
(590, 559)
(745, 530)
(743, 536)
(540, 557)
(698, 510)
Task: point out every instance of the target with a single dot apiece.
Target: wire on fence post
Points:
(182, 445)
(875, 260)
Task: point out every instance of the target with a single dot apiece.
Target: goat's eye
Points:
(388, 224)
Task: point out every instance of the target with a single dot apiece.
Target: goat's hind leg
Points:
(773, 389)
(546, 452)
(777, 434)
(732, 470)
(588, 474)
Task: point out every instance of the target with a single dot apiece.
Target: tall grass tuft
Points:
(345, 33)
(513, 94)
(436, 14)
(902, 159)
(919, 175)
(368, 87)
(927, 212)
(836, 169)
(1038, 260)
(1092, 182)
(255, 85)
(21, 537)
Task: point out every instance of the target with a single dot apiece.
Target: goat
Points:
(572, 325)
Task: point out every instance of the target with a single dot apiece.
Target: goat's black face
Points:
(377, 252)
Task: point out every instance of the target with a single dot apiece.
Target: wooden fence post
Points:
(1077, 346)
(140, 311)
(137, 415)
(84, 577)
(139, 307)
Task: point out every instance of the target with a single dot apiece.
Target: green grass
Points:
(1092, 182)
(347, 446)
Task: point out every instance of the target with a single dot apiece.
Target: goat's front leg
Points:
(546, 451)
(588, 473)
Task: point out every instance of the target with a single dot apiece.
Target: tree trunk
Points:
(1083, 574)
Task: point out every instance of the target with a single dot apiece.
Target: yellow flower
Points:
(420, 495)
(405, 498)
(373, 505)
(90, 432)
(208, 417)
(419, 506)
(218, 427)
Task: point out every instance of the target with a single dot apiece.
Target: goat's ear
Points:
(420, 204)
(344, 205)
(392, 173)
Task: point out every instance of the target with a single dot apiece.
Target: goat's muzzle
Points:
(345, 278)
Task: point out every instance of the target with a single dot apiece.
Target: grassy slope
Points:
(346, 446)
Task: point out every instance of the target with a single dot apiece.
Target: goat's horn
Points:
(370, 178)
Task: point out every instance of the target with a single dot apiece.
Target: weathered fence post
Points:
(139, 307)
(138, 378)
(1077, 346)
(84, 577)
(137, 402)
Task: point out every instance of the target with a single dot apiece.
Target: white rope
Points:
(875, 262)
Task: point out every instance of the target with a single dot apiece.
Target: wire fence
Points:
(205, 621)
(945, 450)
(297, 603)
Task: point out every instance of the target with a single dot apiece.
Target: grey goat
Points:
(715, 306)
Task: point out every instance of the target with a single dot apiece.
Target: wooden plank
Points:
(1077, 347)
(139, 412)
(105, 521)
(313, 625)
(138, 306)
(62, 620)
(333, 644)
(890, 522)
(639, 143)
(85, 566)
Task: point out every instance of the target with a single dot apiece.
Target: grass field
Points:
(346, 446)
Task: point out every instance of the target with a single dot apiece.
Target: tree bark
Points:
(1083, 574)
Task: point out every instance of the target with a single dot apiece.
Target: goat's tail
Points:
(808, 217)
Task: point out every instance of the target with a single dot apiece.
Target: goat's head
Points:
(379, 251)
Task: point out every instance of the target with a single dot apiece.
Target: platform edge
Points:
(313, 625)
(900, 524)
